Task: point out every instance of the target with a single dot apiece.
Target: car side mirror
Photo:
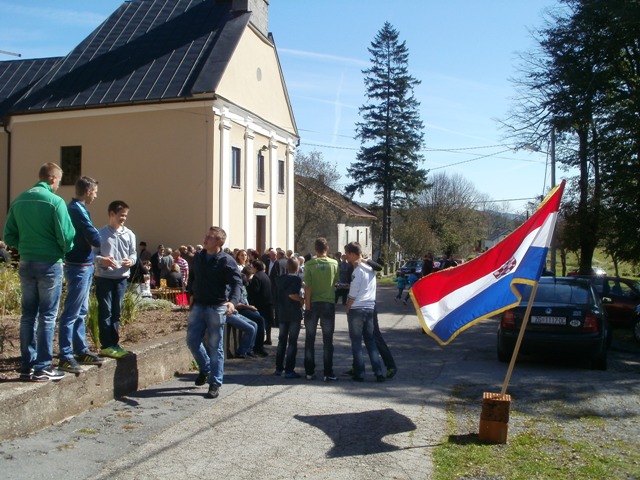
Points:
(606, 300)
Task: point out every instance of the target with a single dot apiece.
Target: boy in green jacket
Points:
(38, 224)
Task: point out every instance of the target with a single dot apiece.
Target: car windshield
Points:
(557, 292)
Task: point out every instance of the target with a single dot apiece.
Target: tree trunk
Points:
(588, 217)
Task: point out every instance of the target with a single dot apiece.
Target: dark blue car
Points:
(412, 266)
(567, 317)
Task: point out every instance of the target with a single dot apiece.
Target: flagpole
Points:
(516, 349)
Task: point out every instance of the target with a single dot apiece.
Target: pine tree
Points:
(390, 132)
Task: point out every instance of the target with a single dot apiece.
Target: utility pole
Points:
(552, 155)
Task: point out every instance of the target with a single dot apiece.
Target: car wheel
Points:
(609, 336)
(599, 360)
(636, 329)
(503, 356)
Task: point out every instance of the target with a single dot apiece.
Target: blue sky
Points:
(463, 51)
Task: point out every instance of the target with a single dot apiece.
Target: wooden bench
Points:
(177, 296)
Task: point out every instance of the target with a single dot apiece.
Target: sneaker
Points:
(26, 375)
(260, 353)
(113, 352)
(310, 377)
(201, 379)
(380, 378)
(122, 351)
(70, 365)
(277, 373)
(330, 378)
(292, 375)
(214, 391)
(247, 355)
(89, 358)
(391, 372)
(47, 375)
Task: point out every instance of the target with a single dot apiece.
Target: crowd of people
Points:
(250, 291)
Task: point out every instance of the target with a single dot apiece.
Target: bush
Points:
(11, 298)
(131, 306)
(150, 304)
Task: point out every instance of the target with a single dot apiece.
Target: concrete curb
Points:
(29, 407)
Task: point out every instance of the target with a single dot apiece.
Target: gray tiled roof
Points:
(16, 76)
(329, 195)
(146, 51)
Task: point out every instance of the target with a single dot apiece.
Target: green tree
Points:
(390, 132)
(413, 234)
(620, 130)
(562, 88)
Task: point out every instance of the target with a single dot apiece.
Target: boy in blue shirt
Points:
(401, 283)
(413, 278)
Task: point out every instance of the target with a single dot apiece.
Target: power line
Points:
(460, 150)
(470, 160)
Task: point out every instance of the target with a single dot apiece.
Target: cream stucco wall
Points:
(252, 79)
(158, 160)
(166, 162)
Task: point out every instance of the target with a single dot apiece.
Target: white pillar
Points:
(289, 192)
(273, 194)
(250, 158)
(225, 174)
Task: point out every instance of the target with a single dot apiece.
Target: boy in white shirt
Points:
(360, 311)
(114, 258)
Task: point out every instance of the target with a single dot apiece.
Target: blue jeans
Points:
(210, 319)
(326, 313)
(248, 329)
(41, 285)
(385, 353)
(110, 292)
(72, 334)
(361, 326)
(258, 319)
(287, 346)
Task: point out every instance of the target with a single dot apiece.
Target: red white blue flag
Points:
(450, 301)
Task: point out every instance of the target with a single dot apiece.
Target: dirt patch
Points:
(148, 325)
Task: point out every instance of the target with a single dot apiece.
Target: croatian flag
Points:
(450, 301)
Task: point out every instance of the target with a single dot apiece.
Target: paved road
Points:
(271, 428)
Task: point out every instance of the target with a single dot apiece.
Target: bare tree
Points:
(313, 217)
(454, 210)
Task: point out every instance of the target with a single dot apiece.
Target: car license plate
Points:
(543, 320)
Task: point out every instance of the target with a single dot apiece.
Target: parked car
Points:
(594, 271)
(624, 294)
(567, 317)
(411, 266)
(636, 324)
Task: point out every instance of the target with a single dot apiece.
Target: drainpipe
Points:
(8, 165)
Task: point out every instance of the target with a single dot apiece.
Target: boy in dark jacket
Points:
(290, 316)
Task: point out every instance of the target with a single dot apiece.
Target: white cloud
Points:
(356, 62)
(54, 15)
